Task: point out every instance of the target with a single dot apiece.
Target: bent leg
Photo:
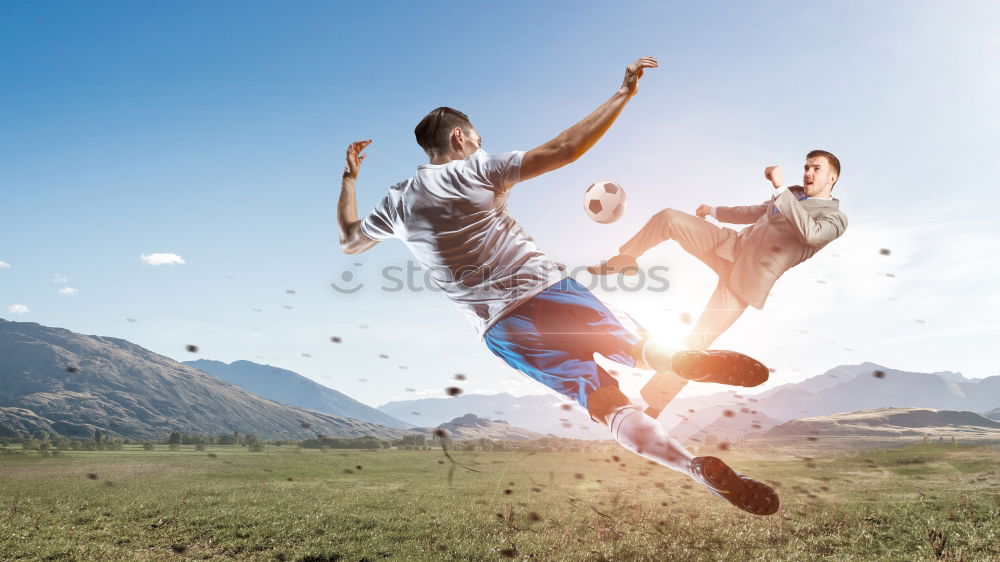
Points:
(723, 309)
(552, 338)
(636, 431)
(697, 236)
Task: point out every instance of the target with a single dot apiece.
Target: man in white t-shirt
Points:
(453, 216)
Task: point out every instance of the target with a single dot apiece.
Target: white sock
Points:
(642, 435)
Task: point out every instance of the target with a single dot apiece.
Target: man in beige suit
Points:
(787, 229)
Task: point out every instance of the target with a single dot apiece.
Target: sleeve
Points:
(501, 171)
(380, 223)
(741, 215)
(813, 231)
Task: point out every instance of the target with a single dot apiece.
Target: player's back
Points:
(454, 219)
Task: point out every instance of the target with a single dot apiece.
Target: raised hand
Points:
(703, 210)
(634, 72)
(773, 173)
(355, 158)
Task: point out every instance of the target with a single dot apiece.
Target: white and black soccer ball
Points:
(604, 201)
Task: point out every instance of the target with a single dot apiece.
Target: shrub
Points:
(147, 446)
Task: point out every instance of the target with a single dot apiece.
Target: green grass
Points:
(287, 504)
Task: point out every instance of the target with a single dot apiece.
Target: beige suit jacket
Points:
(778, 241)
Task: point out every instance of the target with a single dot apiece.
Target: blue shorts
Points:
(552, 338)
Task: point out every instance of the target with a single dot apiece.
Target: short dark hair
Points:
(833, 160)
(434, 130)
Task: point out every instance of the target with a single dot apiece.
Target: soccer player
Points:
(453, 216)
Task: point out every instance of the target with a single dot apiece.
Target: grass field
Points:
(922, 502)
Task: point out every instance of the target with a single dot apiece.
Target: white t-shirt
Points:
(454, 219)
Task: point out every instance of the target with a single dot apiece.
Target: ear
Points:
(457, 138)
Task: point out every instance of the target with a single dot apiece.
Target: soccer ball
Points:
(604, 201)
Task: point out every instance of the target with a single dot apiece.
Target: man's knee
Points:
(603, 401)
(668, 215)
(668, 219)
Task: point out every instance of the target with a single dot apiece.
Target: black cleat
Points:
(723, 367)
(745, 493)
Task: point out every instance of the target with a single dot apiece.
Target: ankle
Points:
(656, 356)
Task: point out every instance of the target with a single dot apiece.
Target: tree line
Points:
(44, 441)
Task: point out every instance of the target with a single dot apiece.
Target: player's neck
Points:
(449, 157)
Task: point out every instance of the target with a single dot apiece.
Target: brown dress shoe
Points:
(626, 265)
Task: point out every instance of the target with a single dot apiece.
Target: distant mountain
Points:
(891, 422)
(730, 428)
(846, 388)
(75, 383)
(993, 414)
(19, 422)
(289, 387)
(471, 426)
(544, 414)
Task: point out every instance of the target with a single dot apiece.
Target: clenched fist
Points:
(773, 173)
(703, 210)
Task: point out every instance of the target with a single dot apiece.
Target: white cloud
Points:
(18, 309)
(4, 265)
(59, 278)
(162, 259)
(67, 291)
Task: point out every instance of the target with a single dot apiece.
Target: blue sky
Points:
(216, 131)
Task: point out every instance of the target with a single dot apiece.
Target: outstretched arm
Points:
(747, 214)
(352, 240)
(573, 142)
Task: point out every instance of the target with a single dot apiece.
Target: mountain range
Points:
(58, 380)
(730, 414)
(891, 422)
(471, 426)
(73, 384)
(289, 387)
(545, 414)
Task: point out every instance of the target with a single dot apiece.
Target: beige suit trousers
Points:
(699, 238)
